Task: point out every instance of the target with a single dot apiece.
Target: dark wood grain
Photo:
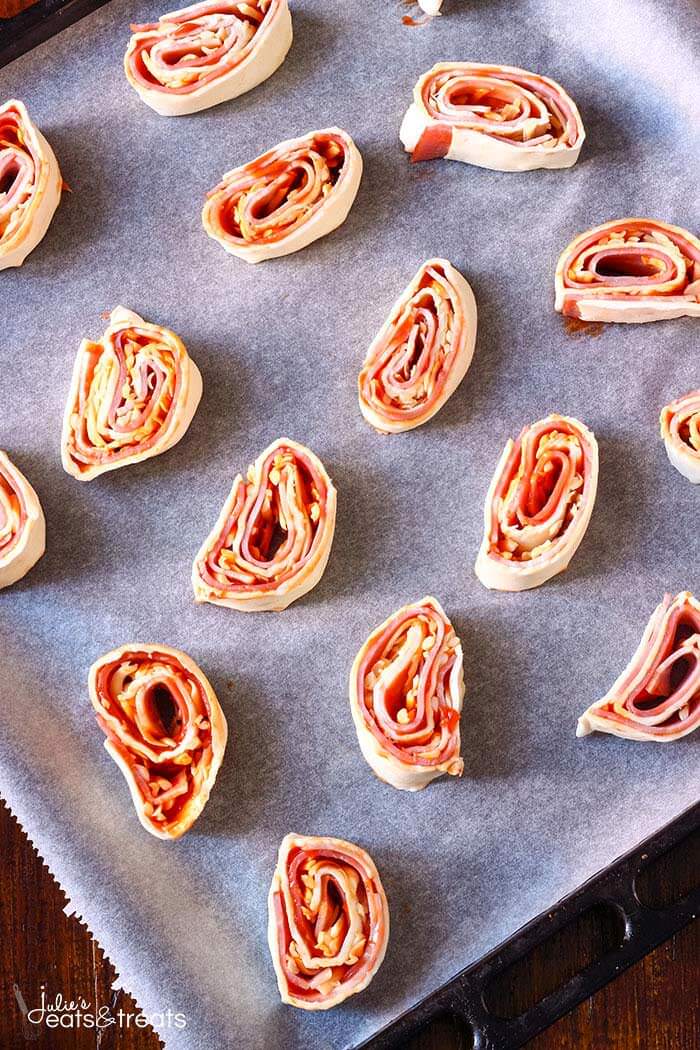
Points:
(653, 1006)
(9, 8)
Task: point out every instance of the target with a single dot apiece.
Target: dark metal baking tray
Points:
(464, 998)
(37, 23)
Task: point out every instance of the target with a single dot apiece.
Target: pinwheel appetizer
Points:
(657, 696)
(630, 270)
(132, 396)
(406, 692)
(497, 117)
(271, 542)
(539, 504)
(207, 53)
(286, 198)
(30, 184)
(165, 730)
(422, 353)
(328, 925)
(22, 525)
(680, 429)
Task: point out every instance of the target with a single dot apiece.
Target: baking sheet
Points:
(465, 862)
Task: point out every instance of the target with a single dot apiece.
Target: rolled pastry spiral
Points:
(422, 352)
(680, 430)
(286, 198)
(406, 692)
(273, 537)
(22, 524)
(132, 396)
(328, 925)
(207, 53)
(631, 270)
(497, 117)
(165, 730)
(657, 696)
(30, 184)
(539, 504)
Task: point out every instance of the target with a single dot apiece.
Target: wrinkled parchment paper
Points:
(465, 862)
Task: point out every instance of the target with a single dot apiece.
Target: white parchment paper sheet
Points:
(465, 862)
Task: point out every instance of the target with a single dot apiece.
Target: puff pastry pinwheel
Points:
(631, 270)
(271, 542)
(30, 184)
(680, 429)
(423, 351)
(328, 924)
(132, 396)
(657, 696)
(406, 692)
(286, 198)
(497, 117)
(165, 730)
(207, 53)
(539, 504)
(22, 524)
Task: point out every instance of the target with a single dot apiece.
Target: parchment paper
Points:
(464, 862)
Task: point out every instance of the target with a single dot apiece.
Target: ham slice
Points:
(273, 537)
(493, 116)
(165, 730)
(422, 352)
(680, 429)
(22, 524)
(283, 200)
(207, 53)
(406, 692)
(539, 504)
(30, 184)
(657, 696)
(630, 270)
(132, 396)
(328, 925)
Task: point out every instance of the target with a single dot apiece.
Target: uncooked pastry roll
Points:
(657, 696)
(164, 729)
(422, 353)
(406, 692)
(288, 197)
(132, 396)
(30, 184)
(680, 429)
(22, 525)
(207, 53)
(630, 270)
(539, 504)
(498, 117)
(328, 924)
(271, 542)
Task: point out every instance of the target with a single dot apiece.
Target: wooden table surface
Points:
(653, 1006)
